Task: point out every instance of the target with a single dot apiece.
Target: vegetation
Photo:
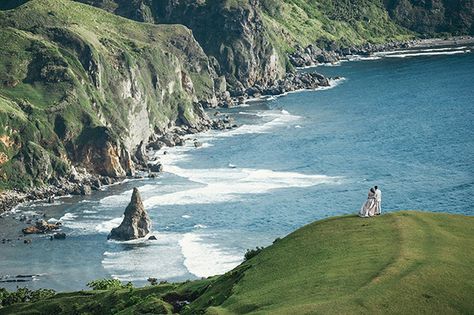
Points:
(108, 284)
(400, 263)
(22, 295)
(70, 71)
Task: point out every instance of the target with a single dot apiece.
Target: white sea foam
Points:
(161, 258)
(453, 52)
(200, 226)
(227, 184)
(203, 259)
(68, 217)
(186, 216)
(107, 226)
(419, 50)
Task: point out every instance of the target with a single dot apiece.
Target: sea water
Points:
(402, 121)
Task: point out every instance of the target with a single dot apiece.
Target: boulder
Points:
(59, 236)
(41, 226)
(155, 167)
(136, 222)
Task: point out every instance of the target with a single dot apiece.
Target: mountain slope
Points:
(454, 17)
(249, 40)
(84, 87)
(399, 263)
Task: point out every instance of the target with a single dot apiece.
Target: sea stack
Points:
(135, 224)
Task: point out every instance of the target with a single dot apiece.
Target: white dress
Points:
(369, 207)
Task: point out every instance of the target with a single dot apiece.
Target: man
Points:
(378, 201)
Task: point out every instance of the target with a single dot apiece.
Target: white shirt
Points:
(378, 195)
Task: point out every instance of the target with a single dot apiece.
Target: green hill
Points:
(400, 263)
(80, 86)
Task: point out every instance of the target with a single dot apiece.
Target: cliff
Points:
(248, 41)
(82, 87)
(452, 17)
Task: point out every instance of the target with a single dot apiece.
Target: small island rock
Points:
(135, 224)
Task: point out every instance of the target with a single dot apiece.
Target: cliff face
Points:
(84, 87)
(433, 16)
(232, 34)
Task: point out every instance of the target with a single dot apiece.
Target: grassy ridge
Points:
(67, 69)
(404, 262)
(346, 23)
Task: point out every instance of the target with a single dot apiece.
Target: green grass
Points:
(63, 61)
(346, 23)
(400, 263)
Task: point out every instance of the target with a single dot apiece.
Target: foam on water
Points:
(230, 184)
(204, 259)
(453, 52)
(141, 262)
(68, 217)
(107, 226)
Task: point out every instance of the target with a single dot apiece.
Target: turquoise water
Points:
(403, 123)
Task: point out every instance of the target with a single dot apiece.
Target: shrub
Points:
(252, 253)
(107, 284)
(22, 295)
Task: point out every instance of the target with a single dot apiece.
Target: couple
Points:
(373, 204)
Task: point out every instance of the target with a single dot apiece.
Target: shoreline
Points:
(312, 56)
(83, 183)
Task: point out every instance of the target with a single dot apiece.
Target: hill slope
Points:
(249, 40)
(80, 86)
(404, 262)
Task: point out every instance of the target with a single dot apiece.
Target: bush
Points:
(107, 284)
(22, 295)
(252, 253)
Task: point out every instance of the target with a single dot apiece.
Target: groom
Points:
(378, 201)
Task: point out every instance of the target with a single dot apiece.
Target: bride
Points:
(369, 207)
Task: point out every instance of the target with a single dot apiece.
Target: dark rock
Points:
(136, 223)
(59, 236)
(152, 238)
(41, 226)
(156, 167)
(27, 241)
(197, 144)
(105, 180)
(85, 190)
(156, 145)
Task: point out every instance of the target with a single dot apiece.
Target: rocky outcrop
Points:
(232, 35)
(40, 227)
(135, 224)
(331, 52)
(112, 93)
(435, 16)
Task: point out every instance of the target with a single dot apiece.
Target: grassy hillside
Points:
(399, 263)
(82, 86)
(249, 40)
(345, 23)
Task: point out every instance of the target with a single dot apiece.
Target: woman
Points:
(369, 207)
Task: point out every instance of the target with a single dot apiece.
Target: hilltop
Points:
(404, 262)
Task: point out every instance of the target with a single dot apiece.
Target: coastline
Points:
(188, 158)
(83, 183)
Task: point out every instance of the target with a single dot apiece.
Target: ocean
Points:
(402, 121)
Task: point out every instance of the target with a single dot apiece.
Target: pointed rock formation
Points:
(135, 224)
